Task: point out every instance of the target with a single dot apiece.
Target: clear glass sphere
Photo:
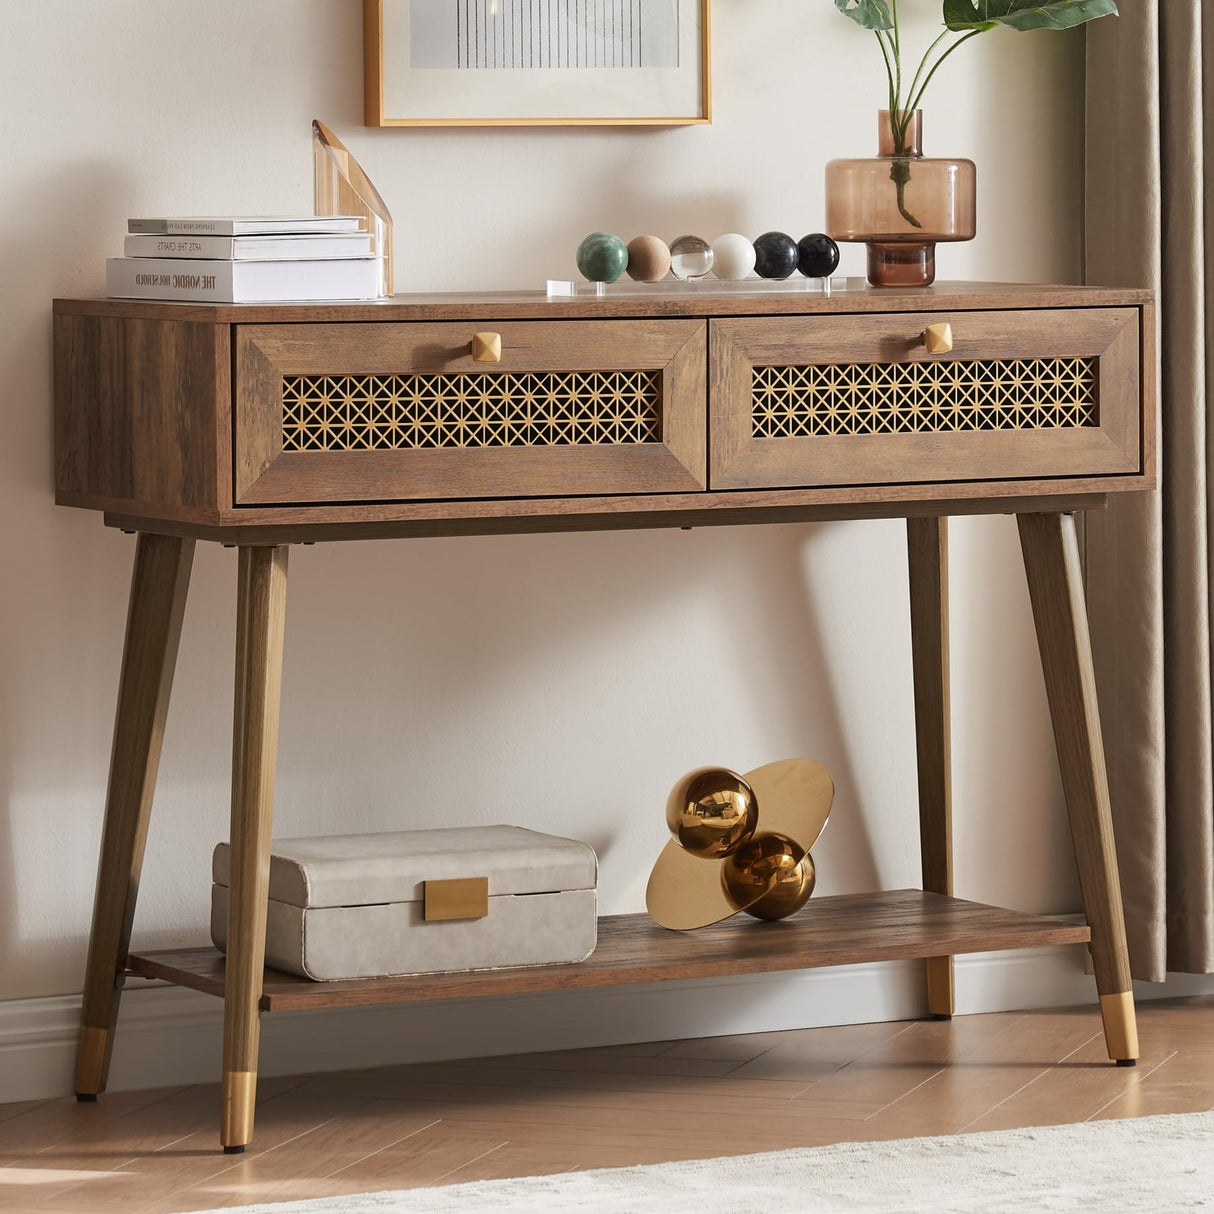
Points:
(691, 258)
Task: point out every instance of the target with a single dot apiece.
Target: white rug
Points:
(1140, 1165)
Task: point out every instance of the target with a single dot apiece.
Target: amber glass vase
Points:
(900, 203)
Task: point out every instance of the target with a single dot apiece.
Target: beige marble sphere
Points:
(648, 259)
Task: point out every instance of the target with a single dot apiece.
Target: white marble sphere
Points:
(733, 257)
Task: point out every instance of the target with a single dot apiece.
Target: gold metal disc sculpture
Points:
(741, 843)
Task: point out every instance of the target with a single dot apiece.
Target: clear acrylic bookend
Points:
(341, 187)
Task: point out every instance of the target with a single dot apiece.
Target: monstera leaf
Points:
(872, 14)
(1024, 14)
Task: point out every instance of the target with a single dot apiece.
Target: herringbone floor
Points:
(398, 1127)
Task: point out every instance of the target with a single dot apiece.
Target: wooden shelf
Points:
(843, 930)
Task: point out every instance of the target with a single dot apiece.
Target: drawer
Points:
(399, 411)
(859, 400)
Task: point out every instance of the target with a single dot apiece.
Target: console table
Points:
(261, 426)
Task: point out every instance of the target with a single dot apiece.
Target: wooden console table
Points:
(263, 425)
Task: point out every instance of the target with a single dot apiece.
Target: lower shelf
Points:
(843, 930)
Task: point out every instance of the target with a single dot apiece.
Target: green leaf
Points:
(1024, 14)
(871, 14)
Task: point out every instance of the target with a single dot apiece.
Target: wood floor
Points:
(398, 1127)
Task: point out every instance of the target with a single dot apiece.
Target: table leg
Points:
(159, 584)
(261, 610)
(1055, 578)
(927, 553)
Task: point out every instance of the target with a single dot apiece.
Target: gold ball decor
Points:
(779, 870)
(711, 812)
(741, 843)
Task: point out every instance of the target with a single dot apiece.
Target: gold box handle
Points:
(458, 898)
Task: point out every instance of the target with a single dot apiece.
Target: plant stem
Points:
(900, 175)
(914, 101)
(899, 170)
(906, 116)
(897, 56)
(889, 70)
(923, 62)
(900, 112)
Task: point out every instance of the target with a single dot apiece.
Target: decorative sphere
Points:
(648, 259)
(817, 255)
(790, 893)
(775, 255)
(733, 257)
(602, 257)
(773, 863)
(711, 812)
(690, 258)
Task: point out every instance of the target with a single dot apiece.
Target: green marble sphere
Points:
(602, 257)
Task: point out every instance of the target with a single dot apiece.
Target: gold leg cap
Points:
(940, 999)
(239, 1101)
(91, 1049)
(1120, 1025)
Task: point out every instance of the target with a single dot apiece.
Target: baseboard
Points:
(168, 1035)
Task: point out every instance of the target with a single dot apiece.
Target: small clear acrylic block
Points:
(569, 289)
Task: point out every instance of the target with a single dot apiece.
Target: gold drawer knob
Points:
(487, 347)
(938, 338)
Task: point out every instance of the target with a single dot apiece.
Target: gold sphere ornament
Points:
(741, 843)
(711, 812)
(779, 870)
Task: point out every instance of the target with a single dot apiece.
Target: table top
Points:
(703, 300)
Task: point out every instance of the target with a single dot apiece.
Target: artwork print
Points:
(535, 62)
(524, 35)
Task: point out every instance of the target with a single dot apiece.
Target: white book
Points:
(243, 225)
(242, 281)
(251, 248)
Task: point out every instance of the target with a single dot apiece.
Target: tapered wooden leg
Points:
(927, 552)
(159, 584)
(261, 611)
(1055, 578)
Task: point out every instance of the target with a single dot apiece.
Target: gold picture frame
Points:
(385, 80)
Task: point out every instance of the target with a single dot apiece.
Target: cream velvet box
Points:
(368, 906)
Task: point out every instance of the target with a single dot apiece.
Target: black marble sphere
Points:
(817, 255)
(776, 255)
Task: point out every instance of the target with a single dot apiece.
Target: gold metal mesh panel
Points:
(416, 412)
(924, 397)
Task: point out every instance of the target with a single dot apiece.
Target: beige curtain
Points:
(1150, 126)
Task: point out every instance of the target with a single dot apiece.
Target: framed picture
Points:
(537, 62)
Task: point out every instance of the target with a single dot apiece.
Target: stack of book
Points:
(232, 259)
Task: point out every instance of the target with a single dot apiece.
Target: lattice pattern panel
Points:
(924, 397)
(417, 412)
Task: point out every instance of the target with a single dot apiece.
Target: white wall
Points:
(561, 682)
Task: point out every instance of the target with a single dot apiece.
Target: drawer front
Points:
(393, 412)
(859, 400)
